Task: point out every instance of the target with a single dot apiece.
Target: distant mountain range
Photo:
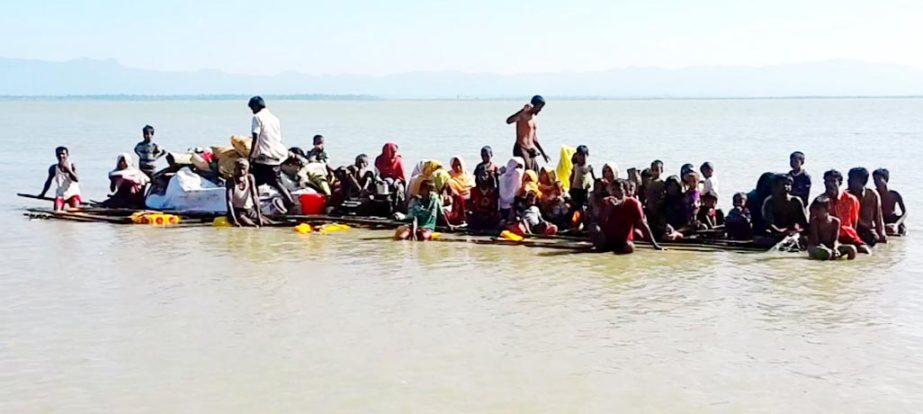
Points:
(20, 77)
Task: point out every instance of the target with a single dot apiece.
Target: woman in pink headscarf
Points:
(390, 166)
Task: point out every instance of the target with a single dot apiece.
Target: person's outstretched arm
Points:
(228, 195)
(51, 177)
(647, 233)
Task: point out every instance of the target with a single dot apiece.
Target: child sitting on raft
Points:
(425, 210)
(317, 152)
(783, 213)
(620, 217)
(242, 200)
(557, 206)
(738, 223)
(127, 183)
(581, 178)
(709, 215)
(64, 175)
(530, 220)
(824, 232)
(709, 181)
(891, 201)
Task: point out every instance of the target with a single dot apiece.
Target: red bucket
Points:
(312, 203)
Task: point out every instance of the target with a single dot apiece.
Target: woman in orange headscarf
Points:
(460, 180)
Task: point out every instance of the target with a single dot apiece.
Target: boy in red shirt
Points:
(846, 208)
(620, 217)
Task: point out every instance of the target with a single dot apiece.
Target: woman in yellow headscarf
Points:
(546, 182)
(426, 172)
(530, 184)
(460, 179)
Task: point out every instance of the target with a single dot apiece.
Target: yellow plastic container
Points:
(508, 235)
(221, 222)
(303, 228)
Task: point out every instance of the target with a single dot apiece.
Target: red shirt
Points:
(620, 219)
(846, 208)
(483, 204)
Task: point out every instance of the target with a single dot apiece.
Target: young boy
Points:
(845, 207)
(871, 226)
(890, 201)
(487, 168)
(531, 220)
(425, 210)
(709, 181)
(784, 214)
(148, 152)
(317, 153)
(823, 243)
(581, 177)
(738, 222)
(243, 202)
(709, 214)
(653, 191)
(620, 217)
(64, 175)
(801, 180)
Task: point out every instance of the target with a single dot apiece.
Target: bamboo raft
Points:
(93, 213)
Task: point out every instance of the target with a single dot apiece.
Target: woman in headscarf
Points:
(546, 182)
(510, 185)
(426, 170)
(460, 179)
(128, 184)
(530, 183)
(610, 173)
(390, 164)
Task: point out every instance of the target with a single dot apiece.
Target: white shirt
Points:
(268, 149)
(710, 184)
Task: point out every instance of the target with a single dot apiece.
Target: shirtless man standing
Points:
(527, 145)
(871, 225)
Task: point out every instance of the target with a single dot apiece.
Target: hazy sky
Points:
(382, 37)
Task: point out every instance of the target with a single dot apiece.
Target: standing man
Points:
(527, 145)
(267, 151)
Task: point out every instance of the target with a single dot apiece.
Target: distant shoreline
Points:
(309, 97)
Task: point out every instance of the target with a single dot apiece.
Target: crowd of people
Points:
(523, 198)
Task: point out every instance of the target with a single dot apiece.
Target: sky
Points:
(386, 37)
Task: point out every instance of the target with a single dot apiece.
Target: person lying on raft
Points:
(890, 202)
(824, 232)
(871, 225)
(127, 184)
(845, 207)
(784, 213)
(620, 216)
(242, 199)
(424, 212)
(64, 176)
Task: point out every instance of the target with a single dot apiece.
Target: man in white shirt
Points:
(267, 151)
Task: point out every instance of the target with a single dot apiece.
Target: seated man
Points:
(824, 232)
(845, 207)
(358, 178)
(784, 213)
(890, 201)
(620, 217)
(871, 226)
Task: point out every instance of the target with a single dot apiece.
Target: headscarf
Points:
(612, 166)
(511, 182)
(130, 173)
(390, 164)
(565, 166)
(530, 184)
(461, 182)
(427, 168)
(546, 180)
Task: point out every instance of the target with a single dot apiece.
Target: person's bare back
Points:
(889, 202)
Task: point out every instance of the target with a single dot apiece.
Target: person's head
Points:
(362, 161)
(820, 207)
(710, 200)
(389, 150)
(781, 184)
(686, 169)
(857, 179)
(538, 103)
(646, 177)
(619, 188)
(739, 200)
(531, 198)
(546, 176)
(691, 180)
(122, 162)
(427, 187)
(610, 172)
(580, 156)
(599, 188)
(558, 188)
(673, 186)
(61, 153)
(707, 169)
(487, 154)
(318, 141)
(297, 151)
(796, 160)
(764, 184)
(148, 133)
(515, 163)
(456, 164)
(881, 176)
(530, 177)
(241, 167)
(833, 179)
(256, 104)
(656, 169)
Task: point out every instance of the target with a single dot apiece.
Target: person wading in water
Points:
(527, 145)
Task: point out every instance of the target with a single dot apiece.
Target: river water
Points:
(103, 318)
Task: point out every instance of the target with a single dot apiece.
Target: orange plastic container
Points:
(312, 203)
